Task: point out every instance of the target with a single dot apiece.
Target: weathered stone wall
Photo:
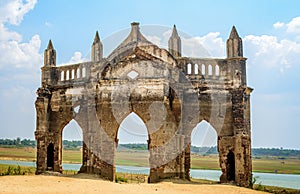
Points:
(170, 93)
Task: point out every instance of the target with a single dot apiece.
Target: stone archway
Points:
(72, 132)
(169, 92)
(133, 130)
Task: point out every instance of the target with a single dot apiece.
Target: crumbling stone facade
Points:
(169, 92)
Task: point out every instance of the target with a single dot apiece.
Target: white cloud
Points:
(210, 45)
(270, 52)
(294, 25)
(76, 58)
(13, 52)
(6, 35)
(21, 55)
(13, 11)
(278, 25)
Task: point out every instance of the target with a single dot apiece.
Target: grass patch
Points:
(131, 178)
(15, 170)
(121, 179)
(273, 189)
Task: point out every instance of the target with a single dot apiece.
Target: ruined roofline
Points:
(134, 39)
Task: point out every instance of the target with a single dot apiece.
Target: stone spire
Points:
(97, 48)
(174, 32)
(50, 55)
(175, 43)
(234, 45)
(135, 35)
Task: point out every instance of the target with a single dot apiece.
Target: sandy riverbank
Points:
(58, 184)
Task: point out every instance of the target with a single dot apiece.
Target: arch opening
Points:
(210, 71)
(50, 157)
(132, 151)
(189, 69)
(203, 69)
(62, 76)
(72, 146)
(196, 69)
(230, 166)
(78, 73)
(204, 153)
(217, 70)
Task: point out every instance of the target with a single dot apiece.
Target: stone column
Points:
(241, 127)
(42, 126)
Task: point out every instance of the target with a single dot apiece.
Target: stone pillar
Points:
(42, 126)
(187, 157)
(164, 150)
(241, 129)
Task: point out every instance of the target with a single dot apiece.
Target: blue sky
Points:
(270, 31)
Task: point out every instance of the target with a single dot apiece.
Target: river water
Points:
(280, 180)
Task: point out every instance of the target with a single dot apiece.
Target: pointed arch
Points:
(67, 74)
(217, 68)
(133, 130)
(73, 74)
(83, 72)
(78, 73)
(189, 69)
(204, 135)
(62, 75)
(203, 141)
(72, 143)
(196, 69)
(50, 156)
(230, 166)
(203, 69)
(210, 71)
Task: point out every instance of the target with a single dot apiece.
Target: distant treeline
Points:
(76, 145)
(275, 152)
(17, 142)
(138, 146)
(70, 145)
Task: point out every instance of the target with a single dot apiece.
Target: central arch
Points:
(132, 148)
(72, 146)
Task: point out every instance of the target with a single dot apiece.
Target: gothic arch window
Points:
(78, 73)
(73, 74)
(62, 75)
(196, 69)
(210, 70)
(189, 69)
(217, 69)
(203, 69)
(83, 72)
(67, 75)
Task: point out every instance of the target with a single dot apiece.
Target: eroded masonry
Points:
(171, 93)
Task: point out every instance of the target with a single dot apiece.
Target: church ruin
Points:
(171, 93)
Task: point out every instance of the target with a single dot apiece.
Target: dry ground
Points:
(87, 184)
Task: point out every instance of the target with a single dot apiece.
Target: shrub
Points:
(121, 179)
